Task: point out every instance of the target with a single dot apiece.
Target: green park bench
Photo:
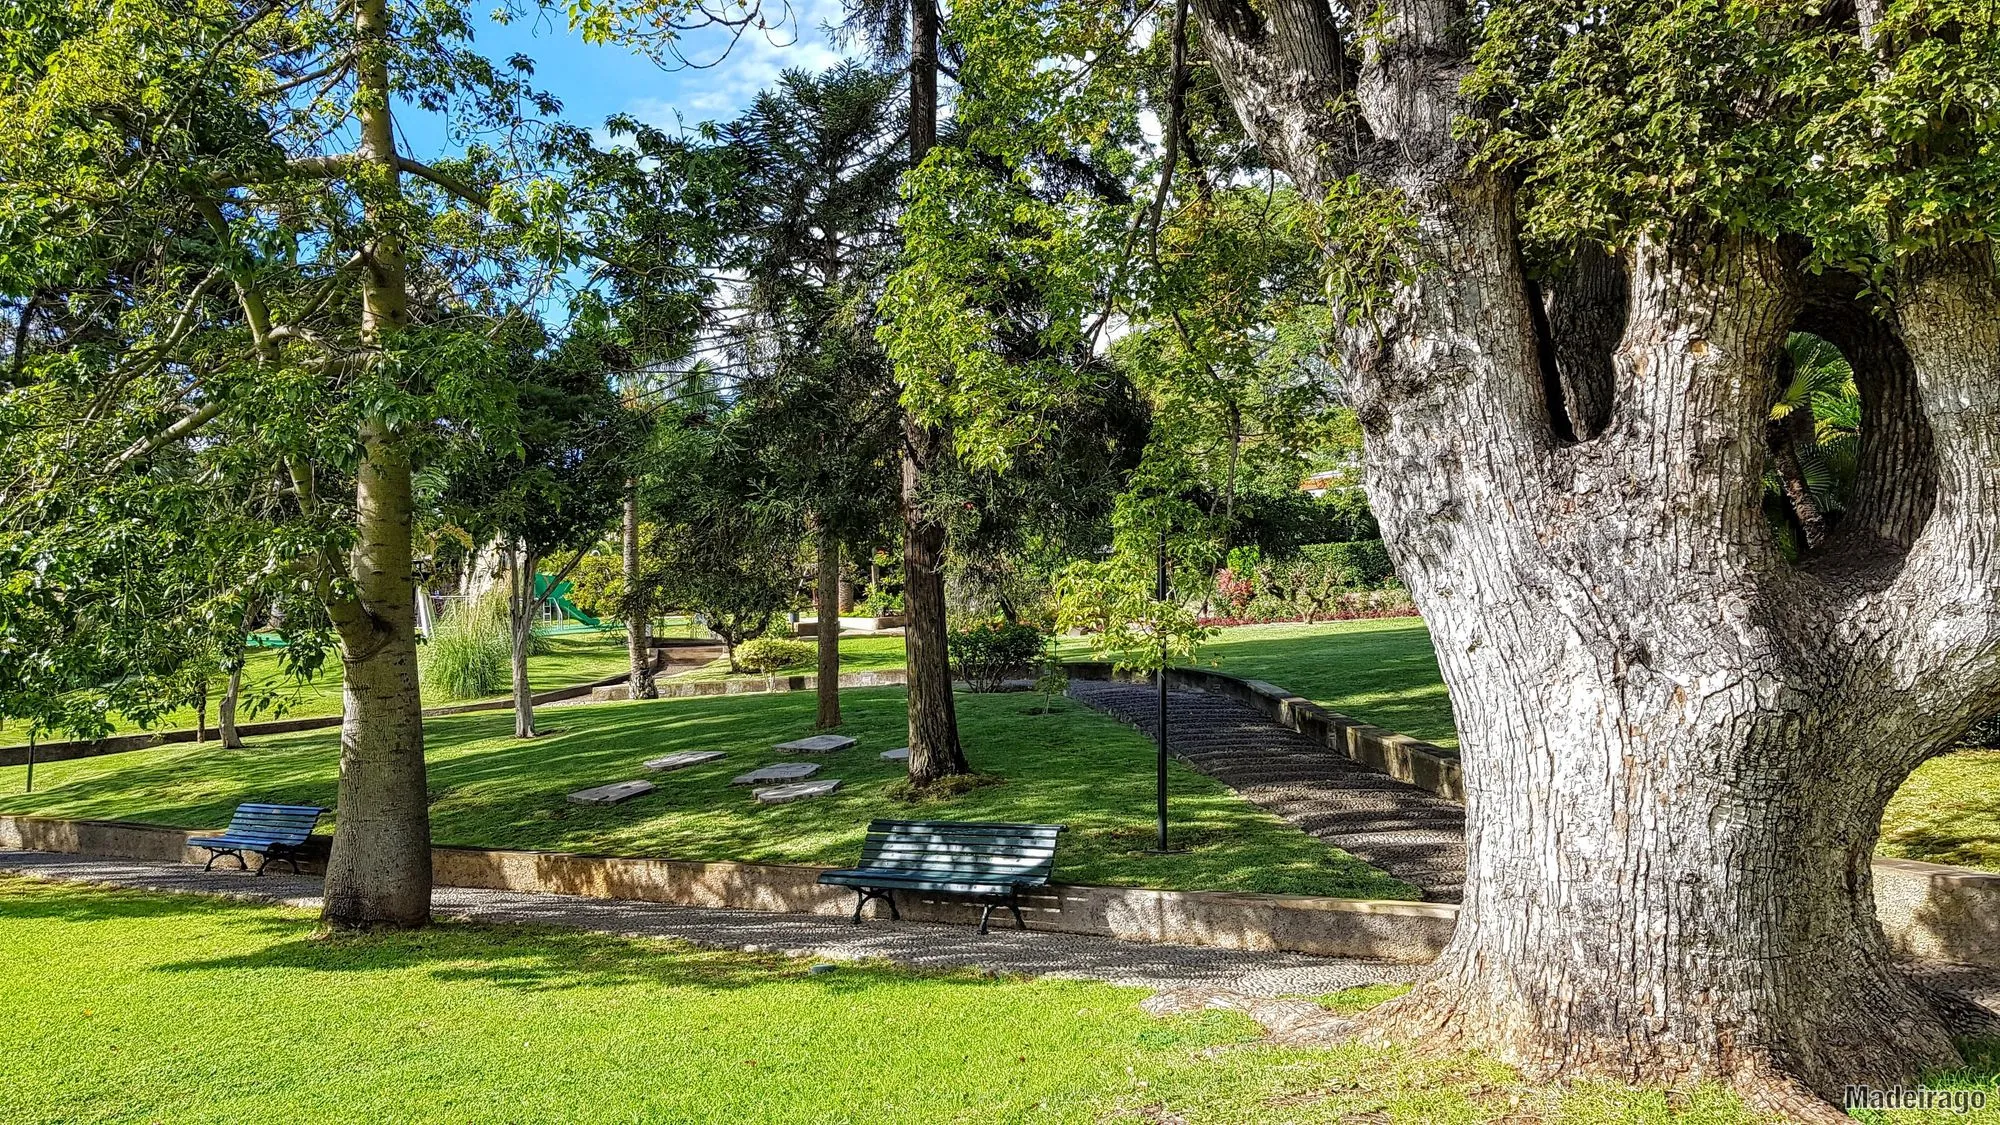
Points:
(992, 862)
(269, 831)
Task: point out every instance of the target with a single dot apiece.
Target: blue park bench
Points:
(269, 831)
(985, 861)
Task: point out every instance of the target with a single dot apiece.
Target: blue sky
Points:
(595, 82)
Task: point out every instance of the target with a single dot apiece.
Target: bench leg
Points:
(863, 894)
(986, 914)
(1014, 904)
(263, 861)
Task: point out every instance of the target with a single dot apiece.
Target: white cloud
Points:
(754, 62)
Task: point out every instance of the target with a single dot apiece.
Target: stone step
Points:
(613, 793)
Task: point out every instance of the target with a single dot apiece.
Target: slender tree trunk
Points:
(827, 632)
(934, 748)
(225, 711)
(1677, 745)
(521, 605)
(1782, 440)
(201, 710)
(379, 873)
(638, 613)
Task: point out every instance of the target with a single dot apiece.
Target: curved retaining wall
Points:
(1927, 910)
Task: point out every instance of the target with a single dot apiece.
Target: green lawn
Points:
(857, 654)
(1379, 670)
(128, 1007)
(572, 658)
(1072, 766)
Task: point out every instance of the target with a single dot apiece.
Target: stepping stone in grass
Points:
(611, 794)
(899, 754)
(797, 791)
(783, 771)
(817, 744)
(682, 759)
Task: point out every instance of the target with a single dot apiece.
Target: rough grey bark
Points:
(1583, 309)
(826, 633)
(1677, 744)
(379, 873)
(933, 718)
(638, 616)
(1896, 480)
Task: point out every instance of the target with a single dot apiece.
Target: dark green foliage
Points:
(989, 654)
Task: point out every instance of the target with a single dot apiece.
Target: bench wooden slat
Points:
(987, 859)
(263, 829)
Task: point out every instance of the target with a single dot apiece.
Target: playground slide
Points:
(564, 605)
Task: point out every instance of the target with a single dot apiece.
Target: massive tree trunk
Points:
(379, 873)
(934, 748)
(638, 614)
(1677, 744)
(826, 633)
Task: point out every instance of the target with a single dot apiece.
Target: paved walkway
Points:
(1164, 968)
(1411, 833)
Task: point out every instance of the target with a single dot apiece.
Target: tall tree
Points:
(934, 747)
(549, 481)
(271, 294)
(813, 231)
(1677, 741)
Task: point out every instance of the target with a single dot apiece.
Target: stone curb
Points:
(1404, 758)
(1406, 932)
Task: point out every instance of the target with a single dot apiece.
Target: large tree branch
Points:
(1946, 598)
(1285, 70)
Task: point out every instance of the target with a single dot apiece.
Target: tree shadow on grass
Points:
(548, 960)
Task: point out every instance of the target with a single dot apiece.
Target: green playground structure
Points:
(562, 603)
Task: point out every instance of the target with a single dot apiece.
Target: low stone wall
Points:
(1398, 755)
(1927, 910)
(1390, 931)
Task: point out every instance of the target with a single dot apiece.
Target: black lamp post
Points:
(1160, 677)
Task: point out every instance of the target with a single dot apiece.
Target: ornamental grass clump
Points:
(469, 651)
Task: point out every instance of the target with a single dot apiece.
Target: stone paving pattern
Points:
(783, 771)
(797, 791)
(612, 793)
(1167, 968)
(1413, 834)
(816, 744)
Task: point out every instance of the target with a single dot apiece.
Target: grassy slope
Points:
(475, 1024)
(572, 658)
(1072, 767)
(1380, 670)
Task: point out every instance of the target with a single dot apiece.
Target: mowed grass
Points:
(1948, 812)
(1380, 670)
(130, 1007)
(1071, 766)
(571, 658)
